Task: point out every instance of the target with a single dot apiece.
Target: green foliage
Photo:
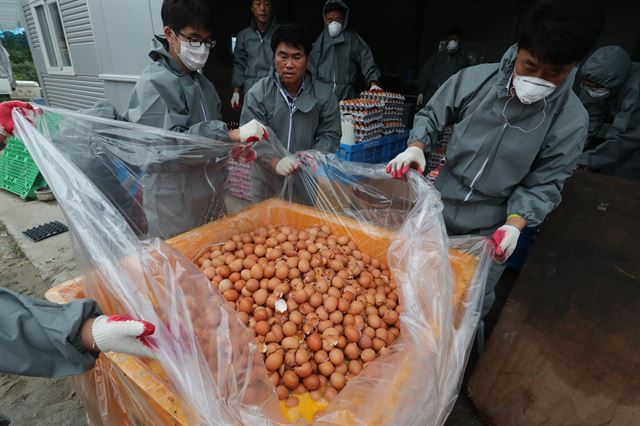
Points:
(25, 71)
(17, 46)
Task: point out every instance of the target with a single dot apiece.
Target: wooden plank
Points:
(566, 350)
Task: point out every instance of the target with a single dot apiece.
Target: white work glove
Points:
(235, 100)
(120, 333)
(375, 88)
(400, 166)
(505, 240)
(253, 131)
(420, 100)
(288, 166)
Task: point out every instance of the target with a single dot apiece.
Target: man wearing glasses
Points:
(172, 94)
(180, 192)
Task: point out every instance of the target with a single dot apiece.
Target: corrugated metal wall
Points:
(83, 89)
(9, 14)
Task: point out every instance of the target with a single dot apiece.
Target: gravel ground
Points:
(33, 401)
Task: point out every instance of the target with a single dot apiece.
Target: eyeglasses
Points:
(196, 42)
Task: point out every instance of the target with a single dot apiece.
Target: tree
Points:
(17, 46)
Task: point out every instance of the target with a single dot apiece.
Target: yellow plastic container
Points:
(124, 390)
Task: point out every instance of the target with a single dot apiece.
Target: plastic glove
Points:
(244, 153)
(310, 158)
(253, 131)
(505, 239)
(400, 166)
(420, 100)
(375, 88)
(235, 100)
(6, 120)
(288, 166)
(120, 333)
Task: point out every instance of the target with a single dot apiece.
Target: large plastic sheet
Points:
(123, 187)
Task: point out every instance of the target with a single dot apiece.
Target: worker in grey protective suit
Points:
(173, 95)
(44, 339)
(302, 114)
(442, 65)
(168, 97)
(610, 91)
(340, 52)
(252, 56)
(518, 131)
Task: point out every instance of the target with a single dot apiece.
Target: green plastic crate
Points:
(18, 172)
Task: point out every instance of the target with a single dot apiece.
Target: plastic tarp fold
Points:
(124, 188)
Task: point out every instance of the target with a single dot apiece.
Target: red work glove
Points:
(310, 159)
(412, 157)
(253, 131)
(6, 120)
(505, 240)
(120, 333)
(244, 153)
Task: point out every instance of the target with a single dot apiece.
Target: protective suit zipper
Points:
(475, 179)
(204, 112)
(292, 110)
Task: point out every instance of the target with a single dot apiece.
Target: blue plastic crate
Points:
(376, 151)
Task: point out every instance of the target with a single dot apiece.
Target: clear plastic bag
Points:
(109, 178)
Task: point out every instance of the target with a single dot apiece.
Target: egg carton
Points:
(367, 120)
(239, 179)
(393, 123)
(369, 132)
(363, 128)
(368, 136)
(359, 112)
(388, 98)
(363, 113)
(360, 104)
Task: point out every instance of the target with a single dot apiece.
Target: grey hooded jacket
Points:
(181, 191)
(312, 123)
(168, 98)
(494, 168)
(335, 61)
(619, 154)
(40, 338)
(252, 56)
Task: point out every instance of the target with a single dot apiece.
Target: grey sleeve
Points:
(162, 107)
(442, 109)
(622, 140)
(40, 338)
(329, 127)
(541, 190)
(212, 129)
(368, 66)
(240, 57)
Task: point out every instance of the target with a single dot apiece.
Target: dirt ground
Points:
(33, 401)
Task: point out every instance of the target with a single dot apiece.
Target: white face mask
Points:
(335, 29)
(193, 58)
(598, 93)
(452, 46)
(531, 89)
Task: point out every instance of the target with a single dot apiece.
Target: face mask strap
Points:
(504, 116)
